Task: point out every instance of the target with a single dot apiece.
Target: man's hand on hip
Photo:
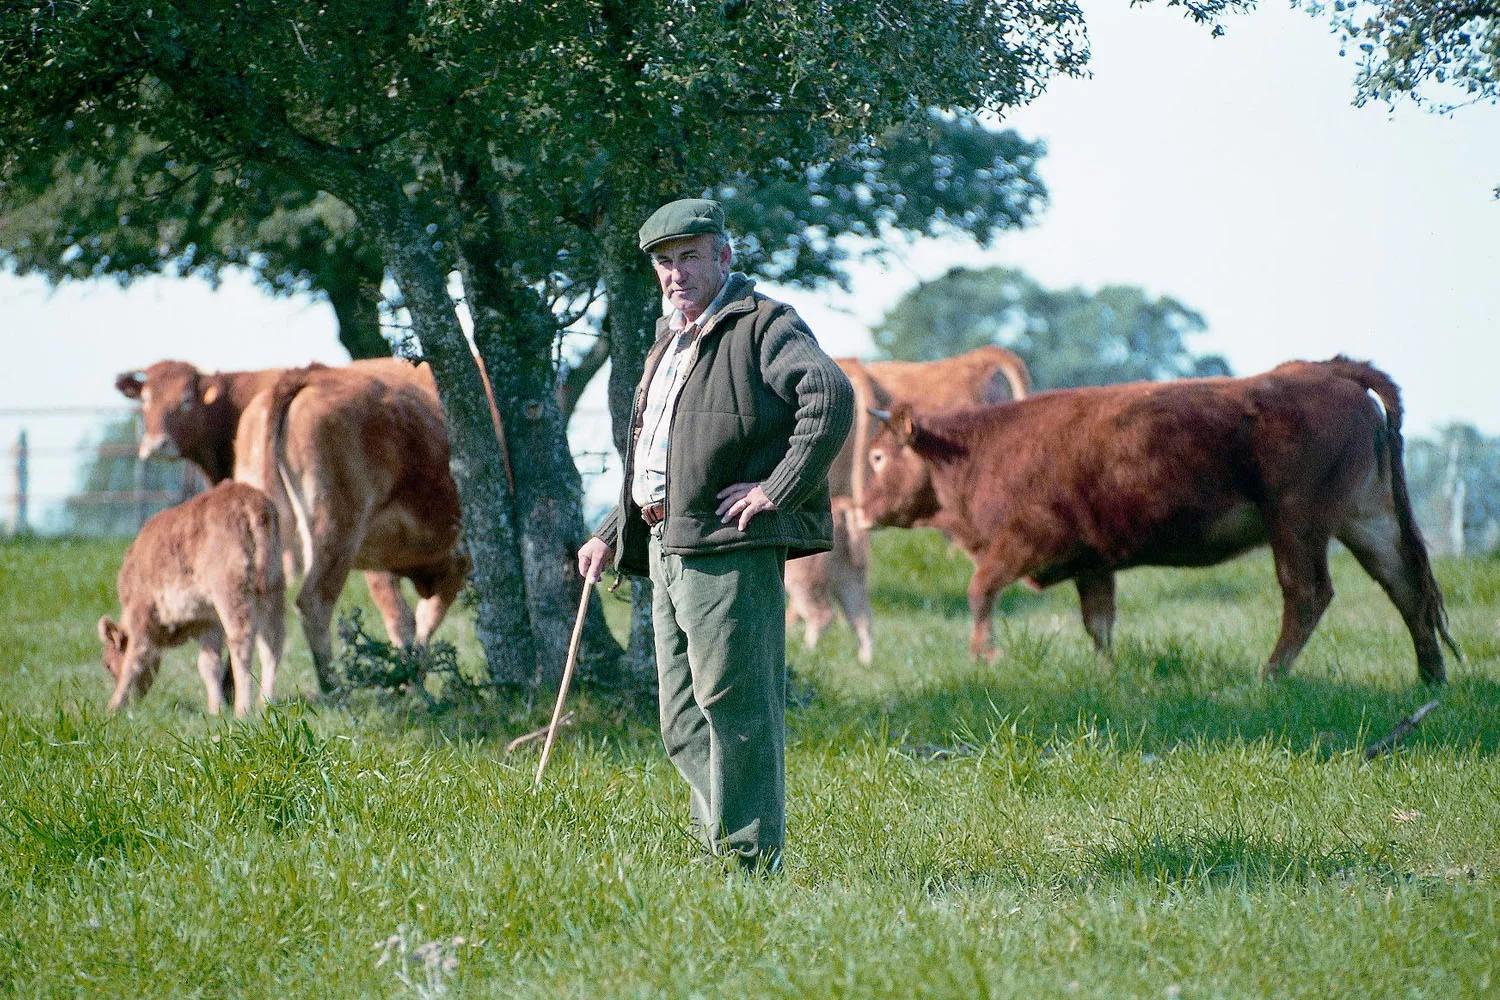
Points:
(593, 557)
(741, 502)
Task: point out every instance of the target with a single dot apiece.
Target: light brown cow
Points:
(208, 569)
(985, 375)
(196, 415)
(357, 462)
(1080, 483)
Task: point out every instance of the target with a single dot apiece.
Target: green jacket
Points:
(762, 403)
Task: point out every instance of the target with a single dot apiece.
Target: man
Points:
(735, 422)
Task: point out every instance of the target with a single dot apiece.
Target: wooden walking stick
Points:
(562, 689)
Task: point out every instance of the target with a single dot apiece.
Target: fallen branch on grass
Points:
(1403, 729)
(536, 734)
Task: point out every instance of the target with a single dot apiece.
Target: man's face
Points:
(690, 272)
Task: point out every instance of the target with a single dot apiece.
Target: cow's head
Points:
(898, 485)
(174, 400)
(133, 669)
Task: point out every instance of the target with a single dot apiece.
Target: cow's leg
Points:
(315, 602)
(1301, 555)
(385, 591)
(854, 599)
(437, 593)
(1096, 599)
(1377, 543)
(211, 668)
(238, 637)
(270, 640)
(989, 579)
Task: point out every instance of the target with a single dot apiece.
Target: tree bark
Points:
(515, 335)
(352, 284)
(634, 307)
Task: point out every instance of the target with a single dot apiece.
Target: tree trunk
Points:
(515, 334)
(352, 284)
(634, 307)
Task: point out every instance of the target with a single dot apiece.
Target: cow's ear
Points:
(130, 384)
(111, 634)
(903, 424)
(211, 393)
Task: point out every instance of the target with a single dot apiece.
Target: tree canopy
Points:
(1067, 338)
(500, 138)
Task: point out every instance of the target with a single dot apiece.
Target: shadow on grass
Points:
(1156, 707)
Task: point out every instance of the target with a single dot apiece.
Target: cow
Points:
(1080, 483)
(986, 375)
(356, 460)
(208, 569)
(196, 415)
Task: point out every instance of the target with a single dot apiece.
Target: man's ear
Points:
(130, 384)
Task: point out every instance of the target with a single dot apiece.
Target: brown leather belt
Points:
(654, 513)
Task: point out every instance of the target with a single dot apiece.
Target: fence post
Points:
(21, 453)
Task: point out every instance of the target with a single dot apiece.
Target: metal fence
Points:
(75, 470)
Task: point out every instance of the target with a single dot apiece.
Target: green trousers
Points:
(721, 672)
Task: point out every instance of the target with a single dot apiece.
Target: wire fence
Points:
(75, 470)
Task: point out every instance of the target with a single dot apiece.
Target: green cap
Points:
(685, 217)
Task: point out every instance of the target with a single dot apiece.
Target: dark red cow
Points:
(1080, 483)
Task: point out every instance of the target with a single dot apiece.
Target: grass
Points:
(1049, 825)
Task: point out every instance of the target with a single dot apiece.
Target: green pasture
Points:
(1052, 825)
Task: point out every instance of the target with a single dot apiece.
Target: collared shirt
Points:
(649, 484)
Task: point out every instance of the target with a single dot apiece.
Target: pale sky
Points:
(1230, 173)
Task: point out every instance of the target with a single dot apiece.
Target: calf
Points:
(208, 569)
(1079, 483)
(989, 374)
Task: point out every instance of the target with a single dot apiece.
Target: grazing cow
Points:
(196, 415)
(1079, 483)
(986, 375)
(208, 569)
(357, 462)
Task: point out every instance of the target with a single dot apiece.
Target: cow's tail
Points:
(274, 471)
(1373, 380)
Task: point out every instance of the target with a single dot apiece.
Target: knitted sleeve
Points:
(798, 371)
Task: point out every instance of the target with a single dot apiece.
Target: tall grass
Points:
(1055, 824)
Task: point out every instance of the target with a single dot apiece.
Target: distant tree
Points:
(99, 507)
(1067, 338)
(1455, 489)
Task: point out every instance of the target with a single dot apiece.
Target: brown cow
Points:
(1079, 483)
(195, 415)
(986, 375)
(208, 569)
(357, 462)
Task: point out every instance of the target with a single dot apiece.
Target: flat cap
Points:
(684, 217)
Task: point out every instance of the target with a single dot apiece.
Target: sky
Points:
(1231, 173)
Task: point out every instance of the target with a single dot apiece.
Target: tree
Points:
(1455, 489)
(1442, 53)
(124, 207)
(1066, 338)
(500, 138)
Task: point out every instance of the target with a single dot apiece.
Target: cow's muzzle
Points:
(157, 446)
